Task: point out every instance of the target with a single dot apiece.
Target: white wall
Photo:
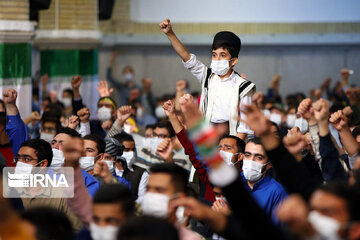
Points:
(210, 11)
(302, 67)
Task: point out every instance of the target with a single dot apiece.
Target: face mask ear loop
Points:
(39, 165)
(263, 171)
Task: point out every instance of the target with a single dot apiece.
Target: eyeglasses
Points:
(24, 158)
(48, 129)
(160, 135)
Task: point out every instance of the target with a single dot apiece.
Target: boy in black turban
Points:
(223, 90)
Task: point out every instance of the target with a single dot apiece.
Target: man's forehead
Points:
(128, 144)
(228, 141)
(26, 150)
(89, 143)
(62, 137)
(159, 178)
(254, 148)
(163, 130)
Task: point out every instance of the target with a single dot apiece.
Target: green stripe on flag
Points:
(69, 62)
(15, 61)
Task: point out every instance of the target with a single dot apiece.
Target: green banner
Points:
(15, 61)
(58, 63)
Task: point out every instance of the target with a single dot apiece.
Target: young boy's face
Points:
(223, 54)
(220, 54)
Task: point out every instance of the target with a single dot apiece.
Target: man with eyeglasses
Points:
(38, 153)
(50, 125)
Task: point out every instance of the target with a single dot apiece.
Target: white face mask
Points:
(276, 118)
(118, 172)
(67, 102)
(87, 163)
(47, 136)
(130, 158)
(227, 157)
(103, 233)
(160, 112)
(139, 112)
(252, 170)
(324, 225)
(302, 124)
(23, 168)
(110, 165)
(155, 204)
(104, 114)
(290, 120)
(128, 77)
(152, 143)
(127, 128)
(266, 113)
(221, 198)
(57, 160)
(220, 67)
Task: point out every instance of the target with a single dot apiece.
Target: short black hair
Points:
(356, 132)
(122, 137)
(152, 126)
(51, 116)
(240, 144)
(179, 176)
(116, 193)
(224, 45)
(69, 131)
(147, 227)
(70, 91)
(3, 118)
(57, 107)
(49, 223)
(42, 149)
(100, 143)
(255, 140)
(166, 124)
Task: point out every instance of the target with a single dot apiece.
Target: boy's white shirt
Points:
(220, 108)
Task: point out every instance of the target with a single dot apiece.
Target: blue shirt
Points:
(268, 193)
(16, 131)
(122, 181)
(91, 183)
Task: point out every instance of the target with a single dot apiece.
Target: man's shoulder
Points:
(276, 187)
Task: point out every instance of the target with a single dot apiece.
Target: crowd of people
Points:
(226, 163)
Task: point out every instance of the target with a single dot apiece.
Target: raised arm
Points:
(15, 127)
(179, 48)
(330, 164)
(339, 121)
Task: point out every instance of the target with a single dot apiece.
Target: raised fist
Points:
(76, 82)
(9, 96)
(169, 107)
(73, 121)
(305, 109)
(166, 26)
(321, 110)
(84, 115)
(123, 113)
(338, 120)
(165, 149)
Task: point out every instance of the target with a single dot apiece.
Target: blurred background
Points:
(304, 41)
